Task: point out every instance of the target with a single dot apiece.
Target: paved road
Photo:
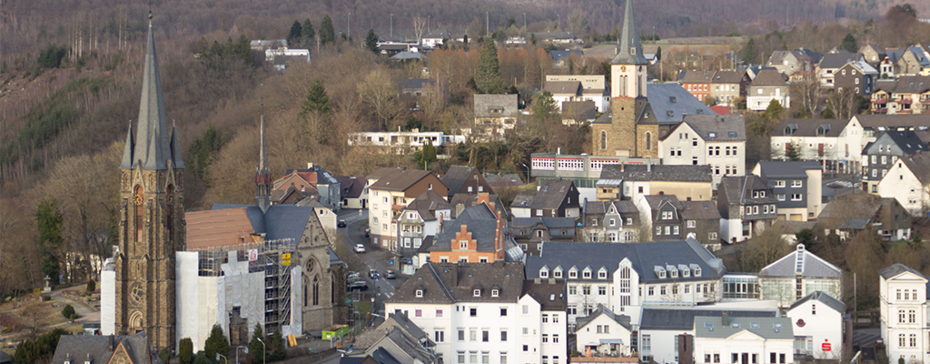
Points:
(374, 257)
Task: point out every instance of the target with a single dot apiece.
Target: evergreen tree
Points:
(544, 106)
(749, 52)
(327, 34)
(68, 312)
(773, 111)
(308, 33)
(276, 344)
(371, 41)
(489, 76)
(216, 344)
(792, 153)
(317, 100)
(256, 349)
(49, 220)
(850, 44)
(186, 351)
(426, 156)
(293, 37)
(91, 285)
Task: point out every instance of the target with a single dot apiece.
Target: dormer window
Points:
(697, 272)
(477, 293)
(602, 274)
(586, 274)
(685, 272)
(419, 293)
(573, 274)
(495, 293)
(674, 273)
(543, 273)
(660, 272)
(463, 244)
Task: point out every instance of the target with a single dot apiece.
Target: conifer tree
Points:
(489, 77)
(293, 37)
(371, 41)
(308, 33)
(327, 34)
(317, 101)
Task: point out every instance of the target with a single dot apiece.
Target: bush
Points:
(186, 351)
(68, 312)
(164, 354)
(46, 298)
(91, 285)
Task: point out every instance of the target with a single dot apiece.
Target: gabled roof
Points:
(801, 262)
(787, 169)
(485, 104)
(919, 165)
(728, 77)
(769, 77)
(739, 189)
(907, 141)
(905, 85)
(100, 349)
(352, 187)
(670, 103)
(550, 293)
(642, 256)
(837, 60)
(699, 210)
(480, 221)
(551, 193)
(824, 298)
(455, 282)
(862, 67)
(218, 227)
(655, 202)
(622, 320)
(563, 87)
(659, 172)
(698, 77)
(683, 319)
(878, 121)
(764, 327)
(896, 269)
(427, 203)
(717, 128)
(399, 181)
(471, 199)
(416, 83)
(456, 176)
(558, 55)
(854, 210)
(322, 176)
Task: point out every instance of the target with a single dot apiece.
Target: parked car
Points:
(359, 285)
(389, 274)
(354, 276)
(359, 248)
(341, 223)
(373, 274)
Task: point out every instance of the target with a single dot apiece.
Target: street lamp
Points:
(392, 25)
(218, 356)
(264, 350)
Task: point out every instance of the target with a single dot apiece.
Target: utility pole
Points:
(487, 24)
(428, 30)
(392, 25)
(524, 22)
(350, 24)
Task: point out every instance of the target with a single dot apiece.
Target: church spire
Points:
(152, 146)
(263, 173)
(629, 49)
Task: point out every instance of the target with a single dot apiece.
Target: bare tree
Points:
(577, 21)
(844, 103)
(808, 92)
(419, 24)
(380, 92)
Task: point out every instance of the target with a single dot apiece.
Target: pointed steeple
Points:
(127, 150)
(152, 145)
(629, 49)
(263, 173)
(176, 160)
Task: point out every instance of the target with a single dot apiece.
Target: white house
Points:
(907, 181)
(903, 310)
(582, 87)
(604, 332)
(818, 326)
(660, 328)
(486, 312)
(403, 142)
(799, 274)
(743, 340)
(715, 140)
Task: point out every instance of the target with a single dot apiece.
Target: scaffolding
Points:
(271, 257)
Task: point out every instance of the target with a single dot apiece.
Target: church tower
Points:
(263, 173)
(151, 222)
(628, 68)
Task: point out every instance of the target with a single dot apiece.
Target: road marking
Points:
(389, 294)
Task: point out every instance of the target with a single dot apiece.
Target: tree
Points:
(371, 41)
(49, 220)
(709, 101)
(68, 312)
(806, 237)
(864, 257)
(256, 348)
(216, 344)
(91, 285)
(488, 79)
(277, 346)
(201, 152)
(379, 91)
(749, 51)
(316, 101)
(764, 249)
(806, 89)
(327, 34)
(774, 111)
(307, 33)
(38, 350)
(850, 44)
(577, 21)
(544, 107)
(792, 152)
(844, 103)
(426, 156)
(186, 351)
(294, 36)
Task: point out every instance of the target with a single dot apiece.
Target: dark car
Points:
(389, 274)
(341, 223)
(359, 285)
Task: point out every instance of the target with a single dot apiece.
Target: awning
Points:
(611, 341)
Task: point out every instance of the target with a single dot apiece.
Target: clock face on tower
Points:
(622, 68)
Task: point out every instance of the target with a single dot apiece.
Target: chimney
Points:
(648, 166)
(498, 234)
(559, 151)
(536, 280)
(725, 319)
(621, 167)
(551, 280)
(309, 165)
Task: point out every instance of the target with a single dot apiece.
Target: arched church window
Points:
(316, 291)
(603, 140)
(137, 200)
(648, 141)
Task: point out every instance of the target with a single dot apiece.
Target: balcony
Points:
(904, 101)
(880, 111)
(880, 101)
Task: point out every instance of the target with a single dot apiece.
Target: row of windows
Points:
(613, 237)
(572, 273)
(794, 197)
(908, 294)
(796, 183)
(613, 222)
(874, 158)
(911, 316)
(669, 230)
(735, 358)
(728, 169)
(485, 357)
(754, 210)
(912, 341)
(586, 290)
(715, 151)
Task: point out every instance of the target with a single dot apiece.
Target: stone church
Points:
(175, 276)
(633, 129)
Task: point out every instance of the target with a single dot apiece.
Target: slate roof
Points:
(698, 77)
(99, 349)
(427, 203)
(480, 222)
(907, 141)
(894, 270)
(670, 103)
(728, 77)
(623, 320)
(485, 103)
(555, 226)
(643, 256)
(879, 121)
(854, 210)
(699, 210)
(919, 165)
(352, 187)
(471, 199)
(395, 320)
(579, 110)
(659, 172)
(769, 77)
(456, 176)
(412, 84)
(811, 266)
(766, 327)
(550, 293)
(824, 298)
(399, 181)
(801, 54)
(279, 222)
(558, 55)
(322, 176)
(504, 180)
(905, 85)
(837, 60)
(522, 199)
(725, 128)
(738, 189)
(598, 209)
(426, 244)
(563, 87)
(551, 193)
(445, 283)
(787, 169)
(793, 227)
(683, 319)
